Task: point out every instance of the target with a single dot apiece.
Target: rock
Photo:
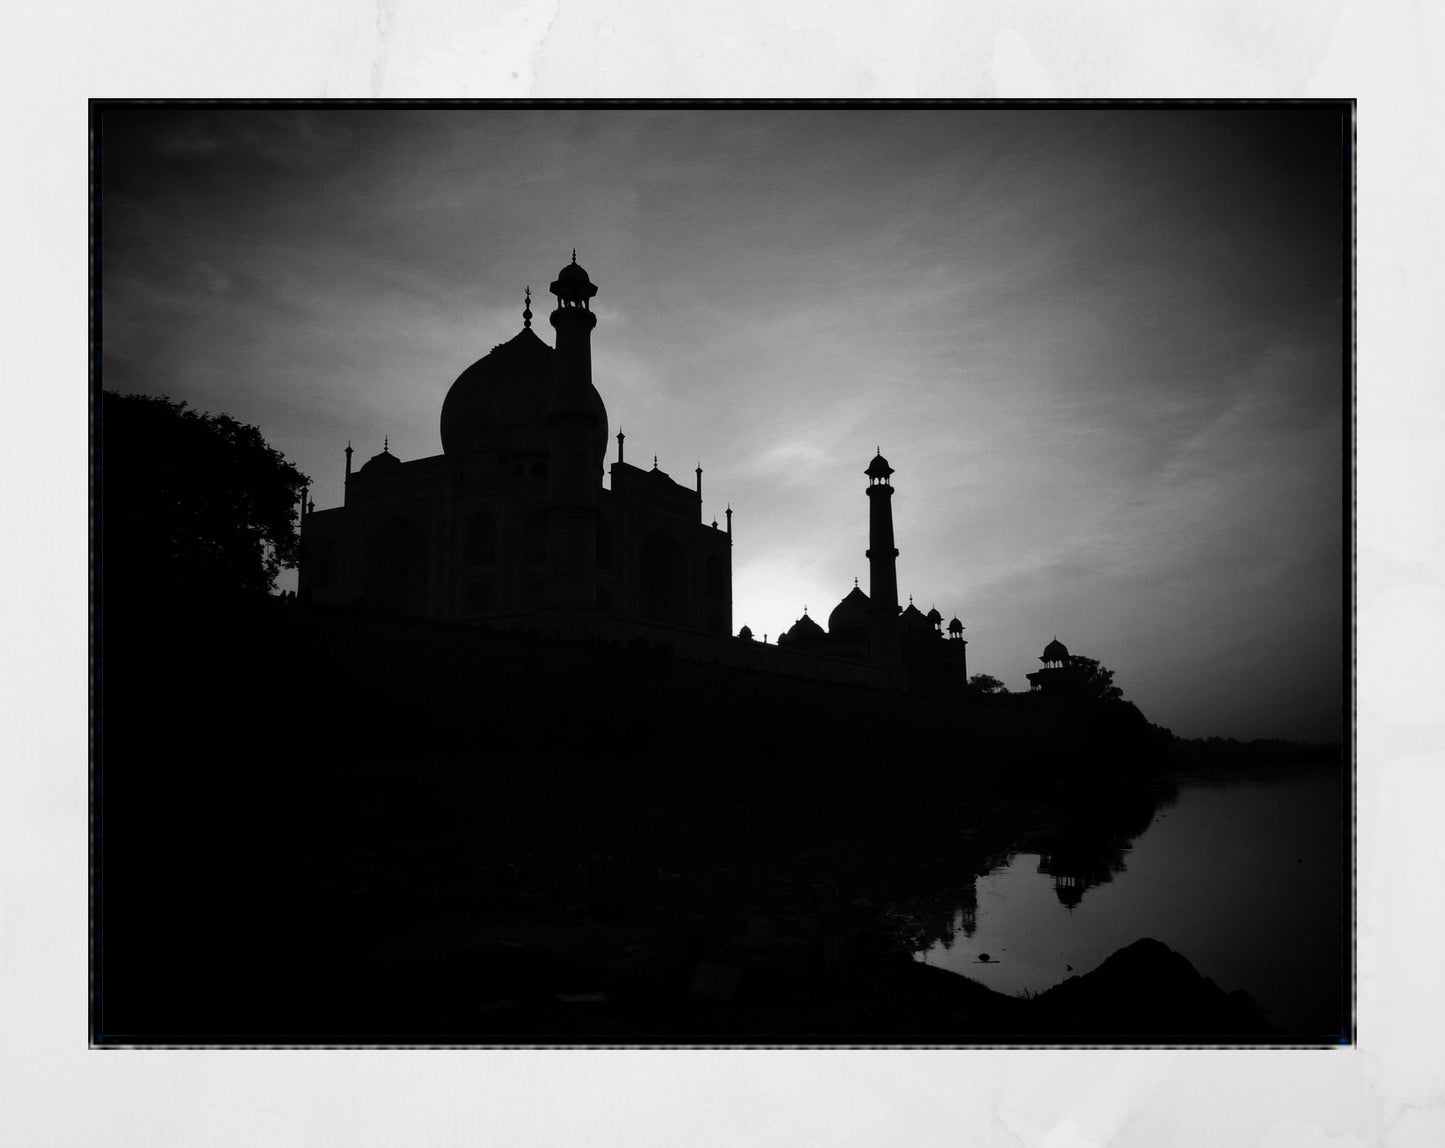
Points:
(1147, 989)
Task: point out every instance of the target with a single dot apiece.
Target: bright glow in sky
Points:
(1102, 349)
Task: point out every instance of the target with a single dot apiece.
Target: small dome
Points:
(879, 467)
(806, 631)
(572, 286)
(745, 634)
(379, 464)
(849, 614)
(934, 616)
(1055, 651)
(912, 619)
(955, 627)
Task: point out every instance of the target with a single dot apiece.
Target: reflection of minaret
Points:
(571, 430)
(882, 566)
(968, 909)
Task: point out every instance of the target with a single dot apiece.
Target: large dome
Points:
(500, 401)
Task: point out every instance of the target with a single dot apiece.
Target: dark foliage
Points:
(986, 684)
(1095, 681)
(191, 502)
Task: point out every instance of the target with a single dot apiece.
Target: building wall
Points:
(481, 519)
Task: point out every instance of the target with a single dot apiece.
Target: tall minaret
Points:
(571, 432)
(882, 566)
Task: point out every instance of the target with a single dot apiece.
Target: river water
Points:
(1245, 876)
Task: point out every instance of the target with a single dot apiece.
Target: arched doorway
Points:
(397, 569)
(663, 580)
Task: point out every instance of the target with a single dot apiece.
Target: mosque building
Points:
(512, 525)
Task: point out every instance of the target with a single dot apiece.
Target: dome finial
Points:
(574, 255)
(386, 443)
(527, 309)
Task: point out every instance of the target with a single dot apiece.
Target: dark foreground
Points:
(318, 831)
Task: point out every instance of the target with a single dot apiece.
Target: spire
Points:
(574, 426)
(882, 555)
(527, 308)
(620, 439)
(348, 460)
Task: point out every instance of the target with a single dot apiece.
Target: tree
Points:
(986, 684)
(191, 502)
(1095, 682)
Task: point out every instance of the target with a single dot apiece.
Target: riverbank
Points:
(335, 831)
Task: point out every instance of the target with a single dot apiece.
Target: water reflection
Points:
(934, 921)
(1246, 879)
(1089, 848)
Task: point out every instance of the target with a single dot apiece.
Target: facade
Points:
(512, 520)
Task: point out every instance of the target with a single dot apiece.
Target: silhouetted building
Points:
(512, 524)
(872, 627)
(512, 520)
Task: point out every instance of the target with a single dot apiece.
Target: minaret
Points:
(348, 461)
(571, 431)
(882, 557)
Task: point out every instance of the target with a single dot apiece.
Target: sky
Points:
(1101, 348)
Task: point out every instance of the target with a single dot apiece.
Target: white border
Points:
(54, 1091)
